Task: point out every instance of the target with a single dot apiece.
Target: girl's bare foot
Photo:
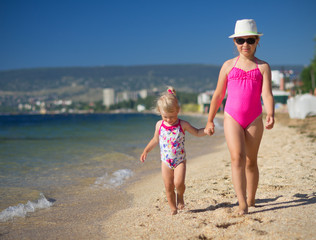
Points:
(251, 203)
(181, 206)
(180, 203)
(242, 212)
(173, 212)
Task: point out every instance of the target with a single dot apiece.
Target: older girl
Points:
(246, 78)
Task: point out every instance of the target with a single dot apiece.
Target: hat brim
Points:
(245, 34)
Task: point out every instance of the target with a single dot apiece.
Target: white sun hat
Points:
(245, 27)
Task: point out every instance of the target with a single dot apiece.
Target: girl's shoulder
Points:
(184, 123)
(263, 65)
(229, 64)
(181, 121)
(158, 124)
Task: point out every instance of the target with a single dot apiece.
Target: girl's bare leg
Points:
(253, 138)
(168, 179)
(235, 139)
(179, 182)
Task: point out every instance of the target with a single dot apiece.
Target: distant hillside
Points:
(296, 68)
(190, 77)
(82, 83)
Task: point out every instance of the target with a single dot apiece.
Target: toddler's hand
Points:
(209, 128)
(143, 157)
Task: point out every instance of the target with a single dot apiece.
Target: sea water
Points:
(41, 154)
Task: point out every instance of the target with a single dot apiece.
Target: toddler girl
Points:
(170, 134)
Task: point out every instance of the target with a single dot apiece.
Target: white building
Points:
(205, 98)
(143, 93)
(111, 97)
(108, 97)
(140, 108)
(277, 77)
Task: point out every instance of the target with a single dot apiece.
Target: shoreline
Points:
(141, 212)
(78, 194)
(32, 193)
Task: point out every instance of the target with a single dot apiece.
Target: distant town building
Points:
(204, 100)
(278, 78)
(143, 93)
(122, 96)
(140, 108)
(111, 97)
(108, 97)
(283, 80)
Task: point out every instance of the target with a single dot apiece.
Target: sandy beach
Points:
(286, 197)
(285, 203)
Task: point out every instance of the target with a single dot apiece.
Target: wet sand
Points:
(285, 208)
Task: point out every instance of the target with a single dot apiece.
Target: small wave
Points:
(21, 210)
(116, 179)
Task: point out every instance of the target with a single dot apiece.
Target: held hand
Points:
(269, 122)
(209, 128)
(202, 132)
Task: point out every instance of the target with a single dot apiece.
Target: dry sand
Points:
(285, 208)
(286, 197)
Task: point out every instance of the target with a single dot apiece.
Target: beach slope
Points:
(285, 203)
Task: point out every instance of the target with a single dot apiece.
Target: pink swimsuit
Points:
(244, 95)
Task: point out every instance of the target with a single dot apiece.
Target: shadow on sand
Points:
(301, 200)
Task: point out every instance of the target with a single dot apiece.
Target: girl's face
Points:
(170, 118)
(246, 45)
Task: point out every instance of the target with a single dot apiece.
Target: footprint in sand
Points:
(225, 225)
(258, 220)
(260, 232)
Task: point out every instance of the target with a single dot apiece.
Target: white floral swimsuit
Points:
(171, 141)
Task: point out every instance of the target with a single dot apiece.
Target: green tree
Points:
(99, 107)
(149, 102)
(185, 98)
(308, 75)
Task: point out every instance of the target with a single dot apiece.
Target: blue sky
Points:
(62, 33)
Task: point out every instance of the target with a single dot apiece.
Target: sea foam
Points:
(21, 210)
(115, 179)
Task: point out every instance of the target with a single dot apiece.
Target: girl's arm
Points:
(267, 96)
(152, 143)
(218, 97)
(186, 126)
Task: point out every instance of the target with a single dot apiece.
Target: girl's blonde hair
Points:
(168, 101)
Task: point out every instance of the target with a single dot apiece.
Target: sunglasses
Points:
(241, 41)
